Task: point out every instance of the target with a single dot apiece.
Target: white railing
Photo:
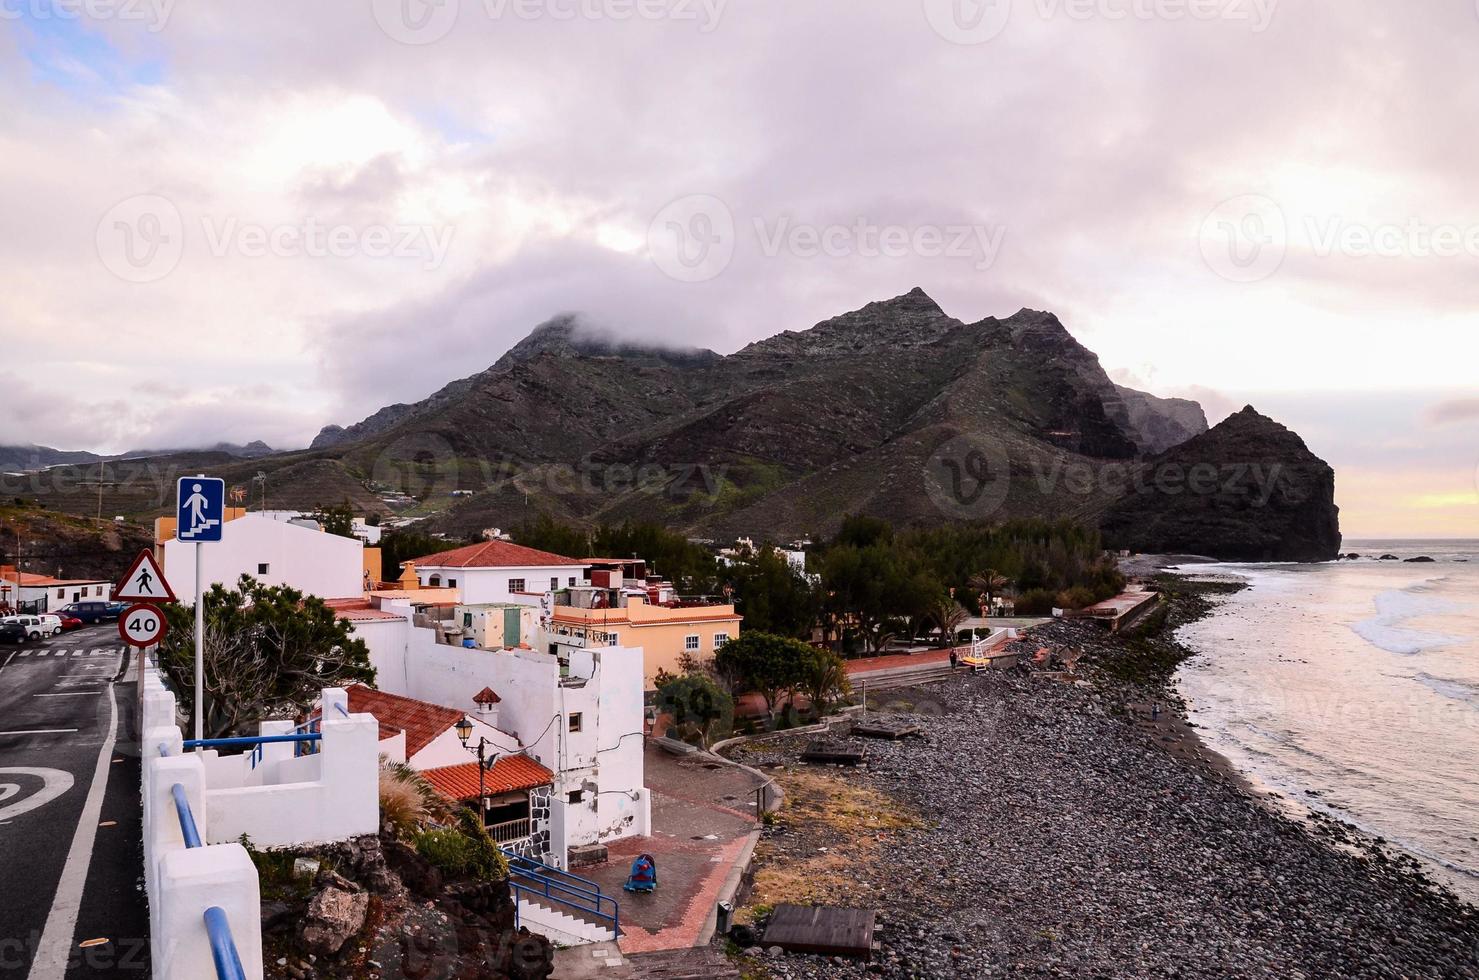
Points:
(509, 831)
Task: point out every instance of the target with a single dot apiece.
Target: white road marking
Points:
(55, 782)
(7, 663)
(39, 731)
(55, 947)
(23, 653)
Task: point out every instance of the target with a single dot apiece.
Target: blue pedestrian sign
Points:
(201, 508)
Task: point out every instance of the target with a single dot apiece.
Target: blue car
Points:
(94, 612)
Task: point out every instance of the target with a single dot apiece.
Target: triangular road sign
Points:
(144, 582)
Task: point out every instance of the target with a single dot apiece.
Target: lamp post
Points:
(486, 761)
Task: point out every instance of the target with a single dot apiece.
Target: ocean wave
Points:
(1454, 690)
(1397, 606)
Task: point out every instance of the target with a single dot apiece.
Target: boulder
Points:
(334, 915)
(1421, 558)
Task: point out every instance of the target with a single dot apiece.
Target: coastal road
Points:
(71, 859)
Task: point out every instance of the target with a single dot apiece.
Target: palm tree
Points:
(988, 583)
(947, 614)
(408, 800)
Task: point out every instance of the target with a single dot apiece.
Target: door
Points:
(510, 627)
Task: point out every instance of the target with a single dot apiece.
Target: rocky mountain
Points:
(896, 409)
(15, 459)
(1248, 490)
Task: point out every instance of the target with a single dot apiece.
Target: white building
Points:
(581, 719)
(273, 552)
(499, 571)
(37, 594)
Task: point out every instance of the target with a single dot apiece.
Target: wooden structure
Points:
(822, 931)
(890, 728)
(835, 753)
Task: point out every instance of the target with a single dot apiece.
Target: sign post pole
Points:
(199, 653)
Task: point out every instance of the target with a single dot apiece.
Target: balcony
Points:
(510, 831)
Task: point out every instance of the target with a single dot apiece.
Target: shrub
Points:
(1036, 602)
(408, 800)
(459, 854)
(1076, 598)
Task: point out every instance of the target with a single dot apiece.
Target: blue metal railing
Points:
(223, 947)
(562, 887)
(527, 865)
(187, 819)
(241, 741)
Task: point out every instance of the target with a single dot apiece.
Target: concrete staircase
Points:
(561, 927)
(907, 675)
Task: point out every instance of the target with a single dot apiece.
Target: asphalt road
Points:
(71, 861)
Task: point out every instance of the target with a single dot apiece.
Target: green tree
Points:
(548, 534)
(824, 679)
(698, 705)
(772, 596)
(764, 663)
(338, 519)
(268, 653)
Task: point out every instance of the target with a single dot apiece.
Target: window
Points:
(576, 796)
(451, 583)
(690, 642)
(61, 593)
(570, 581)
(98, 591)
(554, 582)
(516, 585)
(434, 582)
(720, 639)
(263, 568)
(467, 620)
(612, 639)
(576, 719)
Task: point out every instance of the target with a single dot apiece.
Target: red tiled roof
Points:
(486, 696)
(493, 554)
(421, 721)
(509, 774)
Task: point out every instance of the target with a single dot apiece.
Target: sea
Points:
(1352, 687)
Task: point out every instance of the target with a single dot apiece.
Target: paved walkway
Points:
(703, 813)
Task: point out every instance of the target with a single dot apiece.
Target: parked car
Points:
(12, 632)
(70, 623)
(36, 627)
(95, 611)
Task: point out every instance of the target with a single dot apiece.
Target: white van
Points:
(38, 626)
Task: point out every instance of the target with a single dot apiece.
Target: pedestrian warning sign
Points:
(143, 582)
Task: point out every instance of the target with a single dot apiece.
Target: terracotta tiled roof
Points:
(510, 773)
(421, 721)
(493, 554)
(486, 696)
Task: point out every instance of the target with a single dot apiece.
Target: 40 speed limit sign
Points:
(141, 625)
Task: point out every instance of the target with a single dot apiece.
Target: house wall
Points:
(480, 585)
(661, 633)
(325, 565)
(603, 761)
(447, 749)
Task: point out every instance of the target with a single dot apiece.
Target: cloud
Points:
(523, 159)
(1454, 410)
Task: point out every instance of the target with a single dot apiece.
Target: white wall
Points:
(603, 761)
(325, 565)
(491, 584)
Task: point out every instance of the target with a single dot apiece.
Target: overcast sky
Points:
(230, 221)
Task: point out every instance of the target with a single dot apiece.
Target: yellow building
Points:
(664, 632)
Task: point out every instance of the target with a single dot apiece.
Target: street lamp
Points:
(486, 762)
